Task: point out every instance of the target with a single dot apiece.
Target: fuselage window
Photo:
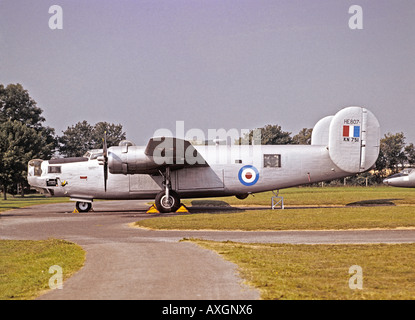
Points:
(272, 161)
(96, 155)
(54, 169)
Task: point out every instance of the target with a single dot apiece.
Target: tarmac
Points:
(139, 264)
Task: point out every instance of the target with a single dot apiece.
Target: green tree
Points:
(20, 118)
(392, 155)
(270, 134)
(115, 134)
(410, 154)
(76, 140)
(16, 104)
(273, 134)
(18, 145)
(303, 137)
(81, 137)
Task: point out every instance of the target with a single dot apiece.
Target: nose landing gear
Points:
(83, 206)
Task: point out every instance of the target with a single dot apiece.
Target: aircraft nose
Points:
(394, 182)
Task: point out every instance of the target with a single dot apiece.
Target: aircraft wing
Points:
(174, 152)
(160, 152)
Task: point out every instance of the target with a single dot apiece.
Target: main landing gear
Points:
(167, 200)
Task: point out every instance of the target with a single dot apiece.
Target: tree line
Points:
(24, 136)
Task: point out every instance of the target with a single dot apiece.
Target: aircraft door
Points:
(143, 182)
(200, 178)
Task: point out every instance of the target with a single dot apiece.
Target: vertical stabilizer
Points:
(321, 131)
(354, 139)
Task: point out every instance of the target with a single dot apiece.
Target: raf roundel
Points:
(248, 175)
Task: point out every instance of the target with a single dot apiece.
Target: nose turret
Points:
(388, 181)
(34, 174)
(395, 182)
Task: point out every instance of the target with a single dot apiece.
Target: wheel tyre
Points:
(83, 206)
(172, 206)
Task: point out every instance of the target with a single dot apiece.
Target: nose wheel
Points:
(83, 206)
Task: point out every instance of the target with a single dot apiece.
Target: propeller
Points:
(105, 155)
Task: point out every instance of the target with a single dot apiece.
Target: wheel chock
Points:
(75, 211)
(182, 209)
(152, 209)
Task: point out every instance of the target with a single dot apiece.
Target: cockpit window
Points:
(96, 155)
(54, 169)
(404, 173)
(93, 154)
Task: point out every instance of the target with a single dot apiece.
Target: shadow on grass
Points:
(372, 203)
(210, 203)
(212, 206)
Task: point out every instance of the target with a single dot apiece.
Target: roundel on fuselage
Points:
(248, 175)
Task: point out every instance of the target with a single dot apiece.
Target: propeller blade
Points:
(105, 176)
(104, 142)
(105, 154)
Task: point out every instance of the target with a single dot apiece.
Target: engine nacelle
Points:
(130, 160)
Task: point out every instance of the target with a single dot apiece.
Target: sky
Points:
(211, 63)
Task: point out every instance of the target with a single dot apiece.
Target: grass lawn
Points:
(29, 200)
(284, 271)
(24, 265)
(345, 208)
(291, 219)
(327, 196)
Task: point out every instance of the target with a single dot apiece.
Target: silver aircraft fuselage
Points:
(169, 168)
(82, 178)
